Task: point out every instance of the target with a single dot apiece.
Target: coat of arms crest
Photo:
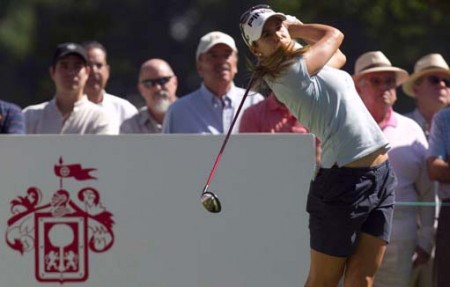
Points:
(63, 229)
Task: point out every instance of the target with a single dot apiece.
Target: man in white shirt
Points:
(118, 108)
(70, 111)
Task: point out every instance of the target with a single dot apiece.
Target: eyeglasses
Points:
(152, 82)
(97, 65)
(434, 80)
(389, 82)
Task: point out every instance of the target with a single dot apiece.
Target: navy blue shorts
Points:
(342, 202)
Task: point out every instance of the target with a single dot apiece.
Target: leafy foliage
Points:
(136, 30)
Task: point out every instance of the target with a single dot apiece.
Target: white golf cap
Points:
(252, 22)
(213, 38)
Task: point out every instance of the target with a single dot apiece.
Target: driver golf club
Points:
(210, 200)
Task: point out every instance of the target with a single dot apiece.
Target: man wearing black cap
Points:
(69, 112)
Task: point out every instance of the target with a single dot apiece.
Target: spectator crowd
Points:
(418, 253)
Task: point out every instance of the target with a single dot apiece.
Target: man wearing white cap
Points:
(211, 108)
(436, 80)
(430, 94)
(412, 226)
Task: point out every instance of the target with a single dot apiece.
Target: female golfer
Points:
(351, 200)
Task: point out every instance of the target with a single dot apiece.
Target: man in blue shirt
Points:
(11, 119)
(211, 108)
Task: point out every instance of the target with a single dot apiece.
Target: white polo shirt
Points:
(118, 109)
(86, 118)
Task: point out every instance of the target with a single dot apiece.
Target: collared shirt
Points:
(142, 122)
(440, 144)
(11, 119)
(270, 116)
(417, 116)
(391, 120)
(328, 104)
(86, 118)
(408, 159)
(118, 109)
(202, 112)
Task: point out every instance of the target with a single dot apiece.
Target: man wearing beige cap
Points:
(376, 81)
(429, 92)
(211, 108)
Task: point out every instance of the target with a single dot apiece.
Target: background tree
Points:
(136, 30)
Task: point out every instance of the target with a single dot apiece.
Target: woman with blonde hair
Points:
(351, 199)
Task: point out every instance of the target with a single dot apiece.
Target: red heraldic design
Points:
(61, 253)
(73, 170)
(62, 231)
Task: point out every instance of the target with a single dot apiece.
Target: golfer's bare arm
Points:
(324, 45)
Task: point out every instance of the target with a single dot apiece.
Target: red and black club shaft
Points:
(207, 196)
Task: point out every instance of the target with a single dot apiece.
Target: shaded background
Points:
(136, 30)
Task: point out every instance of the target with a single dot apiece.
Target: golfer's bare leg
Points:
(325, 270)
(364, 263)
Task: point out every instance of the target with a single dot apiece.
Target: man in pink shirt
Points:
(276, 118)
(411, 242)
(272, 116)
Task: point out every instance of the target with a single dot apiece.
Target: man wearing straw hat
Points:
(430, 98)
(438, 165)
(376, 81)
(423, 86)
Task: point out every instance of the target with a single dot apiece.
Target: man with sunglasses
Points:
(376, 81)
(158, 85)
(432, 75)
(429, 86)
(211, 108)
(118, 108)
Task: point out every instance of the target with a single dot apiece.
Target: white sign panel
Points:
(125, 211)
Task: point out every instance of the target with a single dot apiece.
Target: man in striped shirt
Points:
(11, 119)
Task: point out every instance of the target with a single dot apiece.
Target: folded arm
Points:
(439, 169)
(324, 44)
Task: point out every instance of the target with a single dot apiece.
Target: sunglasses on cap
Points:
(434, 80)
(148, 83)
